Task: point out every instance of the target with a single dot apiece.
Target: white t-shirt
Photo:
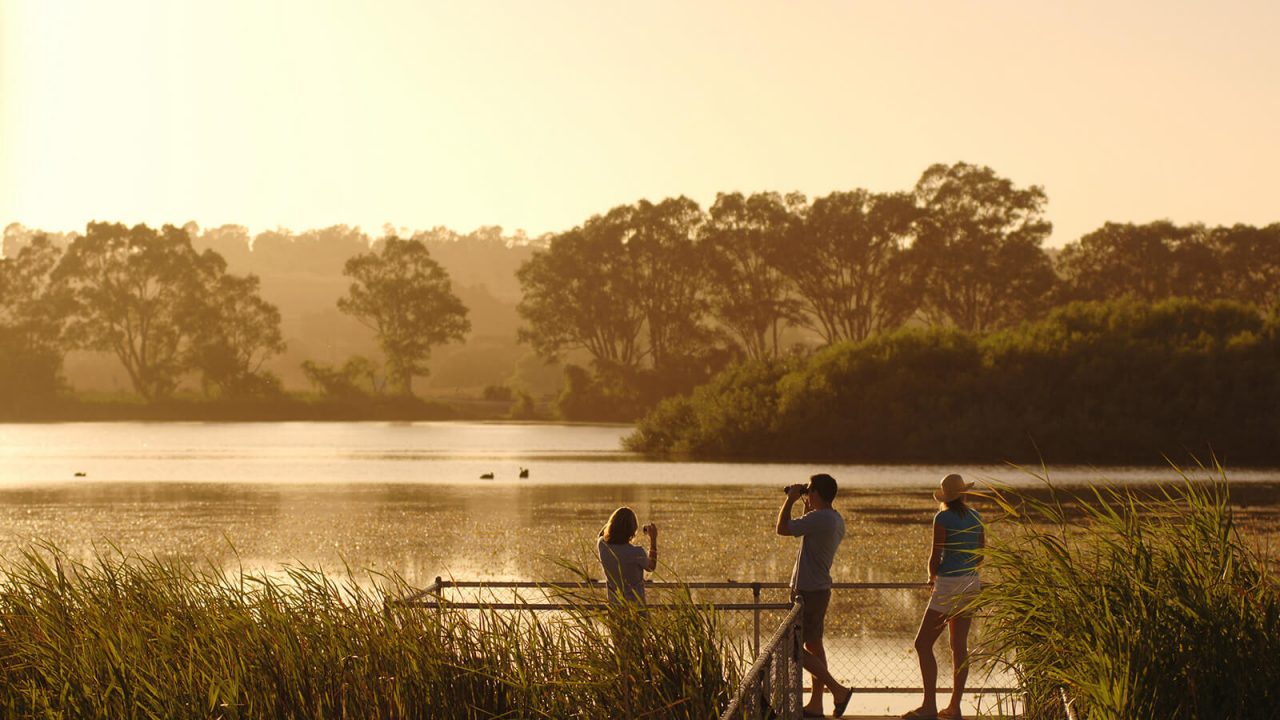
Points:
(820, 533)
(624, 566)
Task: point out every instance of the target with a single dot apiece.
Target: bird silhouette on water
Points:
(487, 476)
(524, 472)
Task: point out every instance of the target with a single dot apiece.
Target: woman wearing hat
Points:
(953, 572)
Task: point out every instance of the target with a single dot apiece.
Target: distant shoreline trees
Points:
(648, 300)
(147, 297)
(661, 296)
(163, 310)
(963, 249)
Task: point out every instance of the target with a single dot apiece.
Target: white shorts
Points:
(951, 594)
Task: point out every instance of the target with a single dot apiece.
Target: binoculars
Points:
(787, 488)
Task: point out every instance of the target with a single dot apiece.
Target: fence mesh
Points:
(771, 688)
(869, 630)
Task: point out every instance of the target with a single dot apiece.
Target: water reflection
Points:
(406, 498)
(419, 531)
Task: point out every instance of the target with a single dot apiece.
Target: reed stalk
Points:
(121, 636)
(1133, 603)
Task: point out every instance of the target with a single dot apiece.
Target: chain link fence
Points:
(869, 631)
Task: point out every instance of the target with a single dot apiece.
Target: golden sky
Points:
(536, 114)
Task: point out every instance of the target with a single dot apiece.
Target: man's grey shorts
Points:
(814, 613)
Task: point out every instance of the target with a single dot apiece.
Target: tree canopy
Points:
(406, 298)
(979, 245)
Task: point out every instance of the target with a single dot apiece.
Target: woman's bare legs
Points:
(930, 628)
(959, 662)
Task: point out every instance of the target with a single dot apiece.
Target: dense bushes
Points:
(1093, 382)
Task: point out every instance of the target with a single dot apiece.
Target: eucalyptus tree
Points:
(130, 291)
(163, 309)
(849, 263)
(746, 241)
(1249, 258)
(1124, 259)
(979, 248)
(30, 303)
(668, 263)
(233, 332)
(32, 314)
(406, 298)
(580, 293)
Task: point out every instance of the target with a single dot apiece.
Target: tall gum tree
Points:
(746, 240)
(1250, 262)
(979, 248)
(128, 290)
(669, 264)
(849, 264)
(234, 331)
(1151, 261)
(32, 312)
(406, 298)
(580, 293)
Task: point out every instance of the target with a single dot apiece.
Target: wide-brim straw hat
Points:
(951, 487)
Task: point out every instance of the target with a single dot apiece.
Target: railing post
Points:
(755, 599)
(797, 658)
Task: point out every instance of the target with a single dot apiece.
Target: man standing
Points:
(820, 529)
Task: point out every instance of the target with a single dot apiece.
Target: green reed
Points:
(1133, 603)
(131, 637)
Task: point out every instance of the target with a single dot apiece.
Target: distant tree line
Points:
(660, 296)
(166, 311)
(1100, 382)
(644, 302)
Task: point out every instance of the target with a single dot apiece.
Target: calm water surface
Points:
(407, 498)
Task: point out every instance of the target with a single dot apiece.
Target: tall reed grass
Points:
(129, 637)
(1132, 603)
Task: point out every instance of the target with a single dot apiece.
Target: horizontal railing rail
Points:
(432, 596)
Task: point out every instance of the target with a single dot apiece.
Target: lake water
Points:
(407, 499)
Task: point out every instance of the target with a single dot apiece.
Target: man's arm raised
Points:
(784, 515)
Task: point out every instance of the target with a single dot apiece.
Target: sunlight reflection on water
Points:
(407, 498)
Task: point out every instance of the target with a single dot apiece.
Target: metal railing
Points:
(869, 628)
(773, 689)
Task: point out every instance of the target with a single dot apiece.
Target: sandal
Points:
(919, 714)
(838, 708)
(946, 714)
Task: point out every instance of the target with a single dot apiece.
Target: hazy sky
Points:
(537, 114)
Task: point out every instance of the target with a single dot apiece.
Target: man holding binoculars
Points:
(820, 529)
